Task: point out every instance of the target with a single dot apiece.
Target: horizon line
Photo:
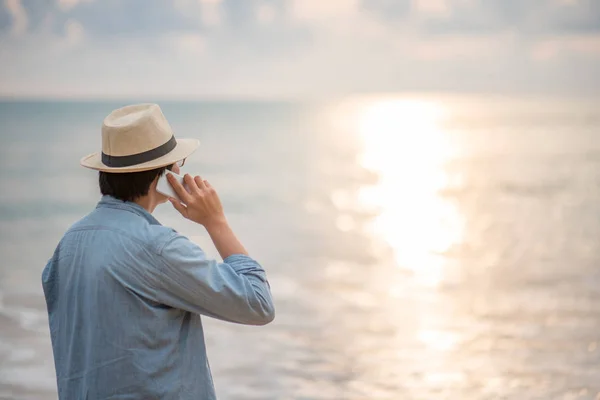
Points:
(12, 97)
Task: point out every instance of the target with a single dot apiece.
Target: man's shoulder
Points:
(160, 235)
(105, 226)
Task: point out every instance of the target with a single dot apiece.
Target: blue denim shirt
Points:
(125, 295)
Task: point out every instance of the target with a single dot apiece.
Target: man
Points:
(125, 294)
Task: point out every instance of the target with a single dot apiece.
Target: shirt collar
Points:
(111, 202)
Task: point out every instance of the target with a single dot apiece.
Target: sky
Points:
(297, 48)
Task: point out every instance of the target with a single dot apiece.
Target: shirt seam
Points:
(111, 229)
(160, 248)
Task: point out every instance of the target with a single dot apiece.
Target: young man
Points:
(125, 294)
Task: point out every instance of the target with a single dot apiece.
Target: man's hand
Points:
(202, 203)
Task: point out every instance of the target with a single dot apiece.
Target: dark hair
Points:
(128, 186)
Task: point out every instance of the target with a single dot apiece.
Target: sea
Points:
(418, 246)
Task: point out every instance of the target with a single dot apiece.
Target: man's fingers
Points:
(200, 183)
(179, 189)
(191, 183)
(178, 206)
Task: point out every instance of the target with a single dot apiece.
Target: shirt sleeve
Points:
(235, 290)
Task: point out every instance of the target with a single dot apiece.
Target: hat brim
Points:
(183, 149)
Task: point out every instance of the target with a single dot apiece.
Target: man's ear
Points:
(154, 183)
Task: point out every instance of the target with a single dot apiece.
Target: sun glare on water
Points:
(404, 144)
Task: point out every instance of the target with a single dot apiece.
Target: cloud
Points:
(266, 13)
(210, 12)
(19, 16)
(74, 32)
(297, 47)
(432, 7)
(393, 11)
(310, 10)
(66, 5)
(529, 17)
(154, 17)
(129, 18)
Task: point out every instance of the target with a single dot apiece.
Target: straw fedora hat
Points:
(138, 138)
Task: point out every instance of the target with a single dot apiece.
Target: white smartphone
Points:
(164, 187)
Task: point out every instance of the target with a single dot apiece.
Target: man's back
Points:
(124, 298)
